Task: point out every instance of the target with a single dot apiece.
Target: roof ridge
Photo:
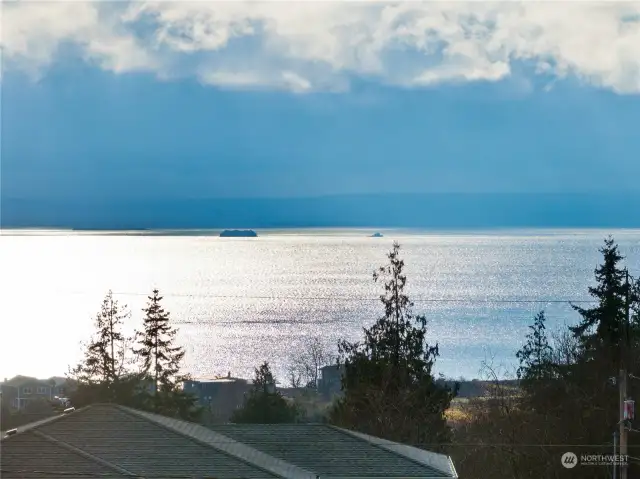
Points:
(386, 445)
(224, 444)
(41, 422)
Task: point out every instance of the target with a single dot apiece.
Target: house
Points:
(20, 390)
(330, 381)
(219, 396)
(115, 441)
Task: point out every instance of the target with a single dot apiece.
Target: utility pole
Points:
(623, 382)
(623, 426)
(615, 451)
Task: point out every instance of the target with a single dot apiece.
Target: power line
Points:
(360, 298)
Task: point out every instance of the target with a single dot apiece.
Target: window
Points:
(60, 391)
(43, 390)
(26, 390)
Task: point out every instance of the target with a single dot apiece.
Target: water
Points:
(240, 301)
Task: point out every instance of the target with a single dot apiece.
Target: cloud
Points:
(252, 80)
(304, 46)
(32, 33)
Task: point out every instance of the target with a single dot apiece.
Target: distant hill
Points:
(444, 211)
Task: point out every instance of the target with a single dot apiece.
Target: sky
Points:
(285, 99)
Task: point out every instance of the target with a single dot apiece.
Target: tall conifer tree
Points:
(389, 390)
(602, 327)
(103, 365)
(160, 357)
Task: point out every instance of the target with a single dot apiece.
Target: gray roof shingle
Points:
(28, 456)
(113, 435)
(327, 451)
(114, 441)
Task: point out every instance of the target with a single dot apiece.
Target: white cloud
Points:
(302, 46)
(250, 80)
(32, 33)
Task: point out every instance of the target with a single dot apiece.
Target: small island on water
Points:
(238, 234)
(376, 235)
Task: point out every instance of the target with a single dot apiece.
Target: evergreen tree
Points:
(106, 374)
(161, 364)
(570, 399)
(104, 362)
(389, 389)
(538, 373)
(160, 358)
(264, 404)
(536, 355)
(634, 311)
(603, 326)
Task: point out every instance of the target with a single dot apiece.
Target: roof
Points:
(333, 452)
(217, 380)
(209, 379)
(19, 380)
(127, 443)
(18, 459)
(115, 441)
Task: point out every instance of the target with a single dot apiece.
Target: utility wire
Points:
(357, 298)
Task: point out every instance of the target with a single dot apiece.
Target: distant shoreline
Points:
(451, 211)
(388, 233)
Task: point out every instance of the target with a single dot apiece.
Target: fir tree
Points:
(536, 355)
(537, 371)
(160, 358)
(603, 326)
(104, 364)
(264, 404)
(389, 390)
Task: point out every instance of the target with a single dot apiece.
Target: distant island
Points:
(376, 235)
(238, 234)
(435, 211)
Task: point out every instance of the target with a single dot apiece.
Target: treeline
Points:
(142, 371)
(564, 399)
(568, 397)
(388, 386)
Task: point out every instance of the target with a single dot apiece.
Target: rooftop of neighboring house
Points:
(106, 439)
(216, 379)
(21, 380)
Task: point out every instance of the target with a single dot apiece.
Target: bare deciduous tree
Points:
(566, 347)
(304, 366)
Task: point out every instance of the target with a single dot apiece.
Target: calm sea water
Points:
(241, 301)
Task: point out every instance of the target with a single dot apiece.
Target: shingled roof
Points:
(113, 441)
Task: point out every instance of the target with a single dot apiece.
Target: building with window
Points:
(20, 390)
(219, 396)
(330, 381)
